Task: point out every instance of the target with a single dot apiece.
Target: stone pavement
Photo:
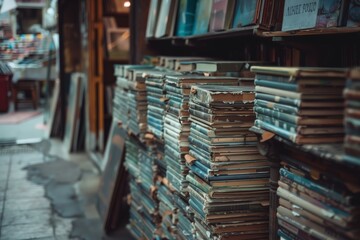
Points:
(25, 213)
(45, 197)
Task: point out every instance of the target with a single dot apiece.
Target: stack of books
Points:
(314, 204)
(177, 125)
(303, 105)
(130, 102)
(144, 217)
(228, 179)
(156, 102)
(183, 218)
(167, 209)
(352, 117)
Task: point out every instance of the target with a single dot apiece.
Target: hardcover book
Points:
(152, 18)
(245, 13)
(202, 16)
(166, 18)
(185, 17)
(221, 14)
(353, 19)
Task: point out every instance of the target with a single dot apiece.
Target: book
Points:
(185, 17)
(221, 15)
(245, 13)
(329, 13)
(223, 66)
(298, 111)
(202, 16)
(299, 95)
(296, 138)
(300, 72)
(186, 81)
(353, 19)
(166, 18)
(309, 89)
(209, 94)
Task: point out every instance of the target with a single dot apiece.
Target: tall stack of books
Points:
(303, 105)
(144, 217)
(229, 192)
(183, 218)
(352, 117)
(177, 125)
(156, 102)
(313, 202)
(120, 108)
(167, 209)
(130, 102)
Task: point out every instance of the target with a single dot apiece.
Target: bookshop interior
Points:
(180, 119)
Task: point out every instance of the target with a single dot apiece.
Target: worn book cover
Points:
(166, 18)
(186, 81)
(185, 17)
(227, 95)
(221, 14)
(299, 72)
(202, 16)
(245, 13)
(225, 66)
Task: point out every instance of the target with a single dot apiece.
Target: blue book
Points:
(276, 106)
(315, 187)
(244, 13)
(279, 85)
(278, 99)
(185, 17)
(202, 16)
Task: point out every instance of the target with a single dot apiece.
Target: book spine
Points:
(335, 216)
(174, 89)
(277, 85)
(205, 116)
(278, 123)
(278, 99)
(276, 106)
(278, 115)
(281, 132)
(202, 130)
(278, 92)
(313, 186)
(199, 172)
(203, 186)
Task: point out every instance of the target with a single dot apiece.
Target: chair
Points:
(30, 90)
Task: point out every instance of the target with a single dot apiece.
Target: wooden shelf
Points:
(313, 32)
(255, 32)
(247, 32)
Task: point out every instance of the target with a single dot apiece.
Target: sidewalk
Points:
(45, 197)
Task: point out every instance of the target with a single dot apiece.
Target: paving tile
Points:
(40, 217)
(4, 158)
(2, 196)
(3, 184)
(21, 183)
(62, 226)
(24, 162)
(3, 176)
(27, 204)
(1, 210)
(26, 231)
(57, 237)
(4, 165)
(17, 174)
(21, 192)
